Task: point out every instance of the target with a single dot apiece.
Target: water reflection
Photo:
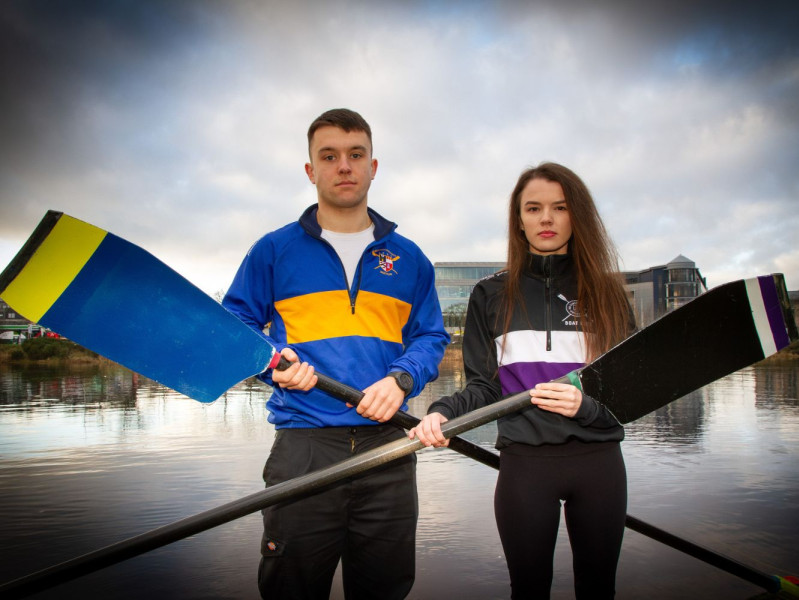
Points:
(777, 386)
(681, 422)
(80, 384)
(90, 455)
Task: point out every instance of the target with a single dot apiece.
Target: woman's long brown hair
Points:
(600, 294)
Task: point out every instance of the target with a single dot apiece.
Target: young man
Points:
(341, 291)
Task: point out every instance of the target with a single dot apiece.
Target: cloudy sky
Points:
(180, 126)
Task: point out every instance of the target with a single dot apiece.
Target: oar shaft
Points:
(407, 421)
(312, 482)
(768, 582)
(349, 394)
(131, 547)
(287, 490)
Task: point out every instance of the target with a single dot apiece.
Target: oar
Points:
(120, 301)
(771, 583)
(282, 492)
(113, 297)
(349, 394)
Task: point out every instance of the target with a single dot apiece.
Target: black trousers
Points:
(368, 521)
(591, 480)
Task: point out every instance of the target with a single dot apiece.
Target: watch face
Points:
(404, 380)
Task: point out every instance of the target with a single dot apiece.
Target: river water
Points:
(93, 455)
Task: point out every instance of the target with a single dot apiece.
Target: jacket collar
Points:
(309, 223)
(551, 265)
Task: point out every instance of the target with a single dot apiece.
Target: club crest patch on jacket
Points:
(572, 314)
(386, 261)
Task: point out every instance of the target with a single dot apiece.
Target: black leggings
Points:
(592, 482)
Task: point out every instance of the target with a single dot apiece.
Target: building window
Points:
(682, 275)
(466, 272)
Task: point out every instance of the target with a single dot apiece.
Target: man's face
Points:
(341, 167)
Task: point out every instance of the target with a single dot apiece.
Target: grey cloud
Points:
(181, 124)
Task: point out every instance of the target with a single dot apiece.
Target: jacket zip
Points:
(353, 294)
(548, 299)
(359, 276)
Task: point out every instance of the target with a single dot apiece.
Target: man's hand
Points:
(381, 400)
(299, 376)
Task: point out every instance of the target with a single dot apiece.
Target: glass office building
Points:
(455, 280)
(656, 291)
(652, 292)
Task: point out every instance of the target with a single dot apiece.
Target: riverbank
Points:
(48, 350)
(788, 353)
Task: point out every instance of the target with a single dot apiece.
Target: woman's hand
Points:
(299, 376)
(561, 398)
(429, 431)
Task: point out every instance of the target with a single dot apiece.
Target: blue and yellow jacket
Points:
(293, 282)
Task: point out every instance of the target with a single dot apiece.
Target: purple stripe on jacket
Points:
(522, 376)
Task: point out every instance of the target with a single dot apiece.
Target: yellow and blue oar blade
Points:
(120, 301)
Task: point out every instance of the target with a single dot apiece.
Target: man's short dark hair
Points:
(343, 118)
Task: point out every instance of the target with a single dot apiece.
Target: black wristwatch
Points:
(404, 381)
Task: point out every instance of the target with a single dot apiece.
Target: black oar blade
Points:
(726, 329)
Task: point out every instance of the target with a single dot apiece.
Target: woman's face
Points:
(545, 217)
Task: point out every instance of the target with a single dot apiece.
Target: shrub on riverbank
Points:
(789, 352)
(46, 349)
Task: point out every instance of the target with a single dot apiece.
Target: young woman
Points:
(559, 304)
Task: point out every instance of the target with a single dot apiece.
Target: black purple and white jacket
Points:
(545, 341)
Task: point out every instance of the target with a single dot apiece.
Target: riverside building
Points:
(652, 292)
